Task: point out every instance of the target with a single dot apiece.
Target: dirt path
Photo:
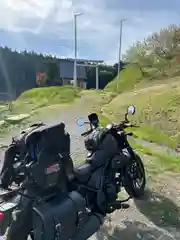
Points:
(69, 116)
(157, 216)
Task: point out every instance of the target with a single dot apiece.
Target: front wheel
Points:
(135, 178)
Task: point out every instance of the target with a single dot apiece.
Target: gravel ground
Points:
(157, 216)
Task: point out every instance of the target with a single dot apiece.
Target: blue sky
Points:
(47, 25)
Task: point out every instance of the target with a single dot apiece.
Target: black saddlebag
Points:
(64, 218)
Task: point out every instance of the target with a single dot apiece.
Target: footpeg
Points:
(125, 200)
(119, 204)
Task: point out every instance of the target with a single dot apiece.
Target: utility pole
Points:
(75, 48)
(119, 55)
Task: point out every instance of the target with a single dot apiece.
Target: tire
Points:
(129, 186)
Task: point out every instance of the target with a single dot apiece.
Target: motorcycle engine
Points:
(110, 190)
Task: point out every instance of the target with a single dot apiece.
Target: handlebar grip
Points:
(129, 134)
(123, 125)
(83, 134)
(86, 133)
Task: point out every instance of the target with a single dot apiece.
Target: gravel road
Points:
(157, 216)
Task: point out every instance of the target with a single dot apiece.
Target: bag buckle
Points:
(58, 228)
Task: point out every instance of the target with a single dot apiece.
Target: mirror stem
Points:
(126, 118)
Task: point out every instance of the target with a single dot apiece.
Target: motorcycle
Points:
(41, 204)
(88, 193)
(110, 165)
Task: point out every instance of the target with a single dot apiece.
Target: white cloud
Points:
(98, 27)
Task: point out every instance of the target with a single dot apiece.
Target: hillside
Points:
(46, 96)
(129, 77)
(158, 110)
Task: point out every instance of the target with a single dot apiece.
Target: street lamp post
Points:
(120, 46)
(75, 48)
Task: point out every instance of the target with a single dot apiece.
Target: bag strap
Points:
(57, 228)
(80, 208)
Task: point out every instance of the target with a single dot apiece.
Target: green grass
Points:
(46, 103)
(151, 134)
(32, 101)
(129, 77)
(41, 97)
(158, 111)
(103, 119)
(161, 161)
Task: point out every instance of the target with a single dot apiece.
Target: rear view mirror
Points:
(80, 122)
(131, 109)
(93, 117)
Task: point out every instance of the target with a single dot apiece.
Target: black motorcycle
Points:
(110, 165)
(71, 202)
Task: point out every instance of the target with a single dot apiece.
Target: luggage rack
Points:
(7, 192)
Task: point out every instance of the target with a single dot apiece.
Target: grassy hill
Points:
(158, 110)
(44, 102)
(157, 101)
(129, 77)
(46, 96)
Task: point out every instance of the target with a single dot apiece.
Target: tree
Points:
(52, 72)
(166, 43)
(159, 50)
(18, 71)
(138, 54)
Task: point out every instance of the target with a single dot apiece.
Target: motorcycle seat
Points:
(83, 172)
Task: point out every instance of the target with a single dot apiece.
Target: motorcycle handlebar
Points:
(120, 126)
(134, 125)
(123, 125)
(128, 134)
(86, 133)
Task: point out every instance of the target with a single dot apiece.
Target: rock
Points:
(16, 118)
(2, 123)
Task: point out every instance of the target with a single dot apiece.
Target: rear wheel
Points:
(135, 179)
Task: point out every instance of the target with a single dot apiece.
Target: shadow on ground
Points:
(133, 231)
(162, 211)
(164, 221)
